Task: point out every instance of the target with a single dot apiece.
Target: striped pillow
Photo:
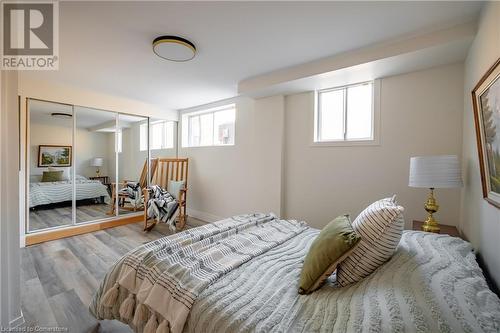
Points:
(380, 226)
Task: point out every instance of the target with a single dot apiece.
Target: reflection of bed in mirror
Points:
(50, 203)
(46, 193)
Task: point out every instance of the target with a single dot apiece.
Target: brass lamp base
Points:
(431, 226)
(431, 206)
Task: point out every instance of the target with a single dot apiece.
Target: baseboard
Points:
(17, 322)
(206, 217)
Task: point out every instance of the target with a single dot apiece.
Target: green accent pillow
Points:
(174, 187)
(52, 176)
(332, 246)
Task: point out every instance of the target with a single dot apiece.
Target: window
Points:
(213, 127)
(143, 137)
(345, 114)
(161, 135)
(119, 141)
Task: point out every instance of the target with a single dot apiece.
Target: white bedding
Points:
(43, 193)
(431, 284)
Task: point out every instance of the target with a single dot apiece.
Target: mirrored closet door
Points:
(49, 165)
(86, 165)
(95, 132)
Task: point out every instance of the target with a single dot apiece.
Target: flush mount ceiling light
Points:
(174, 48)
(61, 115)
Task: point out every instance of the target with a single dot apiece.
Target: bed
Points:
(431, 284)
(45, 193)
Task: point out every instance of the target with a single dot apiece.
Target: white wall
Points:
(88, 145)
(273, 167)
(246, 177)
(10, 307)
(420, 115)
(480, 221)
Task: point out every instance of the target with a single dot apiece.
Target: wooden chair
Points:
(143, 183)
(175, 169)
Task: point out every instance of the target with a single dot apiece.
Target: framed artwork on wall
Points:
(54, 156)
(486, 105)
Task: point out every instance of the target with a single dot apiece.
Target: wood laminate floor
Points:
(56, 216)
(58, 278)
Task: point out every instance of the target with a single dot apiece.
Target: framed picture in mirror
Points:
(54, 156)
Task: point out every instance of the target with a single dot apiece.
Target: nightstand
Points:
(104, 180)
(445, 229)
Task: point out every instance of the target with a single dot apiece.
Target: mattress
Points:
(431, 284)
(44, 193)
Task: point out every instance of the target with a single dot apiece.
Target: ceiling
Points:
(106, 46)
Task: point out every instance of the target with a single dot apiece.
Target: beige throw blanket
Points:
(154, 287)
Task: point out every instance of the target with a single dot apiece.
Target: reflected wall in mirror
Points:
(94, 163)
(132, 174)
(49, 164)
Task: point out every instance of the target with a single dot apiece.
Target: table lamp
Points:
(97, 162)
(433, 172)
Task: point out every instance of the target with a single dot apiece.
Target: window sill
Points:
(358, 143)
(208, 146)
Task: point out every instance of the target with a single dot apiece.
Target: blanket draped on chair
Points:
(161, 205)
(154, 287)
(133, 191)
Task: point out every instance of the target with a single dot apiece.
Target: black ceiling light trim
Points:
(61, 114)
(176, 40)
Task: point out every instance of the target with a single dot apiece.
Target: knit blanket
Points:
(154, 287)
(431, 284)
(161, 205)
(134, 193)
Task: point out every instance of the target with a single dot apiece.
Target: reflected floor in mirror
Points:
(60, 215)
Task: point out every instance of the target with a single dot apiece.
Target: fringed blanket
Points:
(133, 191)
(161, 205)
(154, 287)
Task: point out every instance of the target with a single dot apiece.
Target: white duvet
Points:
(43, 193)
(431, 284)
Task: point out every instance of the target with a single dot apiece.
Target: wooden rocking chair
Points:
(175, 169)
(143, 183)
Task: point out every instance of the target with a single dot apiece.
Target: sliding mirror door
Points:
(95, 165)
(132, 134)
(49, 165)
(86, 165)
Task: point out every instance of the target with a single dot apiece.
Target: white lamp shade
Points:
(97, 162)
(435, 171)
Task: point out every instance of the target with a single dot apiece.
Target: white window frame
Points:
(374, 141)
(141, 148)
(150, 132)
(186, 125)
(119, 140)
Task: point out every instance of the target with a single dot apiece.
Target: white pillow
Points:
(380, 226)
(174, 187)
